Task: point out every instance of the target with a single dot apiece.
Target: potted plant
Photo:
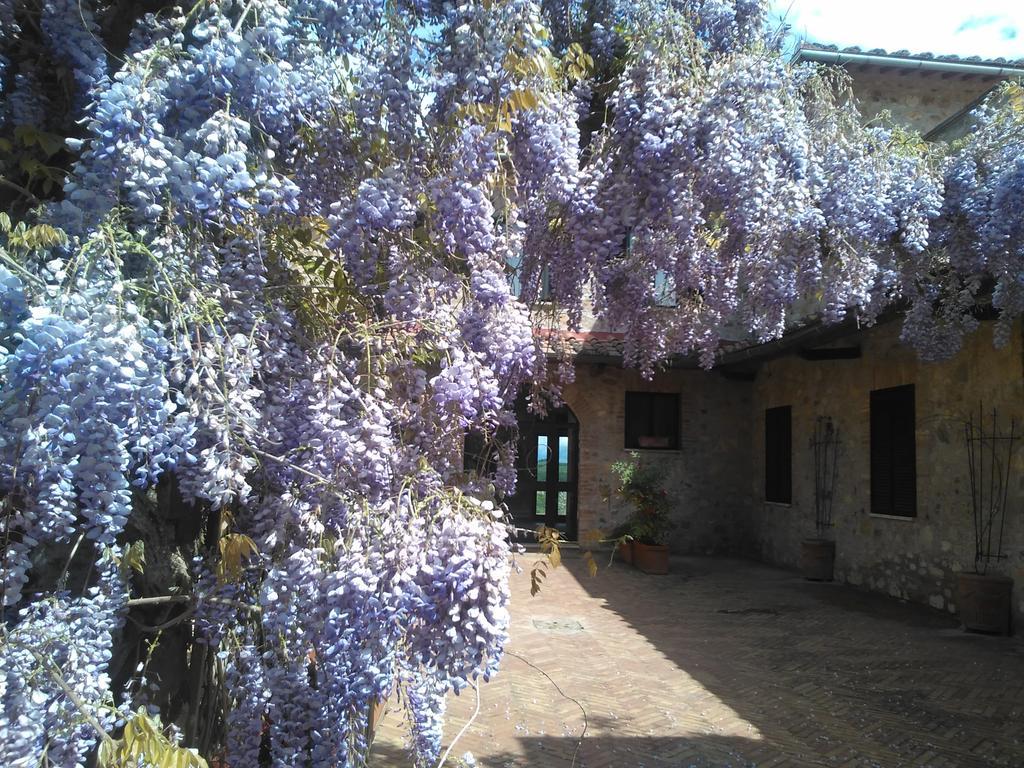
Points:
(818, 555)
(649, 526)
(985, 597)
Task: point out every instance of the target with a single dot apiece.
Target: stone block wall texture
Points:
(913, 559)
(915, 99)
(702, 477)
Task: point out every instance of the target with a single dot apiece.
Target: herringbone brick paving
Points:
(730, 663)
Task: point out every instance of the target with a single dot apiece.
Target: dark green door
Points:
(547, 463)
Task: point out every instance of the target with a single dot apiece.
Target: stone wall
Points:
(701, 476)
(917, 558)
(717, 476)
(916, 99)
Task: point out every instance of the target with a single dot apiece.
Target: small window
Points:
(545, 284)
(663, 285)
(664, 289)
(893, 452)
(778, 455)
(514, 270)
(652, 420)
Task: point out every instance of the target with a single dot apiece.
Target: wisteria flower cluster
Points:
(977, 236)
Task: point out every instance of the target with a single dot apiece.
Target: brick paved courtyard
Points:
(729, 663)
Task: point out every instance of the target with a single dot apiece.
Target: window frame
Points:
(664, 290)
(643, 405)
(892, 457)
(514, 275)
(778, 454)
(662, 284)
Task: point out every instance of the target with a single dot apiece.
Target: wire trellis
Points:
(990, 457)
(825, 445)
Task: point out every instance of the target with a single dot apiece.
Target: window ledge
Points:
(783, 504)
(903, 518)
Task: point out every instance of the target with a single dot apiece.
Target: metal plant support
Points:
(989, 456)
(825, 444)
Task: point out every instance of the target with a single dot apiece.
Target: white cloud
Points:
(986, 28)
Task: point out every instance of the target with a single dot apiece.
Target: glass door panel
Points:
(563, 458)
(542, 458)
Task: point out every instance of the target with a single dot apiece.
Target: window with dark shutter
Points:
(652, 420)
(893, 452)
(778, 454)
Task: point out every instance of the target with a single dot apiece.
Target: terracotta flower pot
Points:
(985, 602)
(650, 558)
(626, 552)
(817, 559)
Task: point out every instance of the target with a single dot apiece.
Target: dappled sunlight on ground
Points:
(728, 663)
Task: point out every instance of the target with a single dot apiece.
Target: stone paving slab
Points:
(731, 663)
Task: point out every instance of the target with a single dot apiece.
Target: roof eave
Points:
(840, 58)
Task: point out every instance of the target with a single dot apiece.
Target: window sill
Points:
(666, 451)
(782, 504)
(893, 517)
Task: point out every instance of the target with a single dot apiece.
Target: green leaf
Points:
(50, 143)
(30, 136)
(105, 756)
(339, 279)
(135, 556)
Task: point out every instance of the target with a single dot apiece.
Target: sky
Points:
(986, 28)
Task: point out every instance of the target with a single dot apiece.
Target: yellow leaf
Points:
(234, 548)
(143, 743)
(536, 578)
(555, 555)
(523, 98)
(1016, 95)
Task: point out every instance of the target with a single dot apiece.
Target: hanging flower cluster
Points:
(282, 298)
(977, 239)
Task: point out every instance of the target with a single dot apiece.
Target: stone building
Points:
(735, 443)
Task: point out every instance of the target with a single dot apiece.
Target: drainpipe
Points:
(898, 62)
